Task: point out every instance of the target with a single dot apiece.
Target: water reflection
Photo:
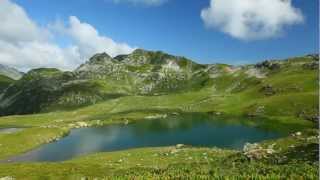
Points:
(191, 129)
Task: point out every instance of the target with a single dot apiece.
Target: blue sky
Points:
(177, 27)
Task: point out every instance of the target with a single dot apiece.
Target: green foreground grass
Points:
(294, 158)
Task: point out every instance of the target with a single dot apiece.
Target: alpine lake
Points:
(196, 129)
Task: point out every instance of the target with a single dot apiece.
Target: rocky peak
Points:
(140, 52)
(271, 65)
(96, 62)
(313, 56)
(100, 58)
(141, 57)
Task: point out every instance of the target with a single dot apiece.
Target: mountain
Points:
(7, 76)
(10, 72)
(291, 82)
(5, 82)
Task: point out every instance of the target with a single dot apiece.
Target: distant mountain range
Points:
(147, 73)
(10, 72)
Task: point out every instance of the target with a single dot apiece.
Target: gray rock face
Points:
(268, 65)
(10, 72)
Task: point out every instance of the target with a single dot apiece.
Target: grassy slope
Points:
(296, 90)
(118, 111)
(5, 82)
(121, 109)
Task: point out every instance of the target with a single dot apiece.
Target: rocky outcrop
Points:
(271, 65)
(255, 151)
(268, 90)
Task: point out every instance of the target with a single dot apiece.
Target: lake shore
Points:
(175, 162)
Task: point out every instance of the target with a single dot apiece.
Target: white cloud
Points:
(144, 2)
(26, 45)
(89, 41)
(16, 26)
(35, 54)
(251, 19)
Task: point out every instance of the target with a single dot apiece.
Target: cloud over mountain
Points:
(88, 40)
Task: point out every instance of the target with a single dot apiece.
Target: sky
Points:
(64, 34)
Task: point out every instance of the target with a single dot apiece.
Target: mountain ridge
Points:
(147, 73)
